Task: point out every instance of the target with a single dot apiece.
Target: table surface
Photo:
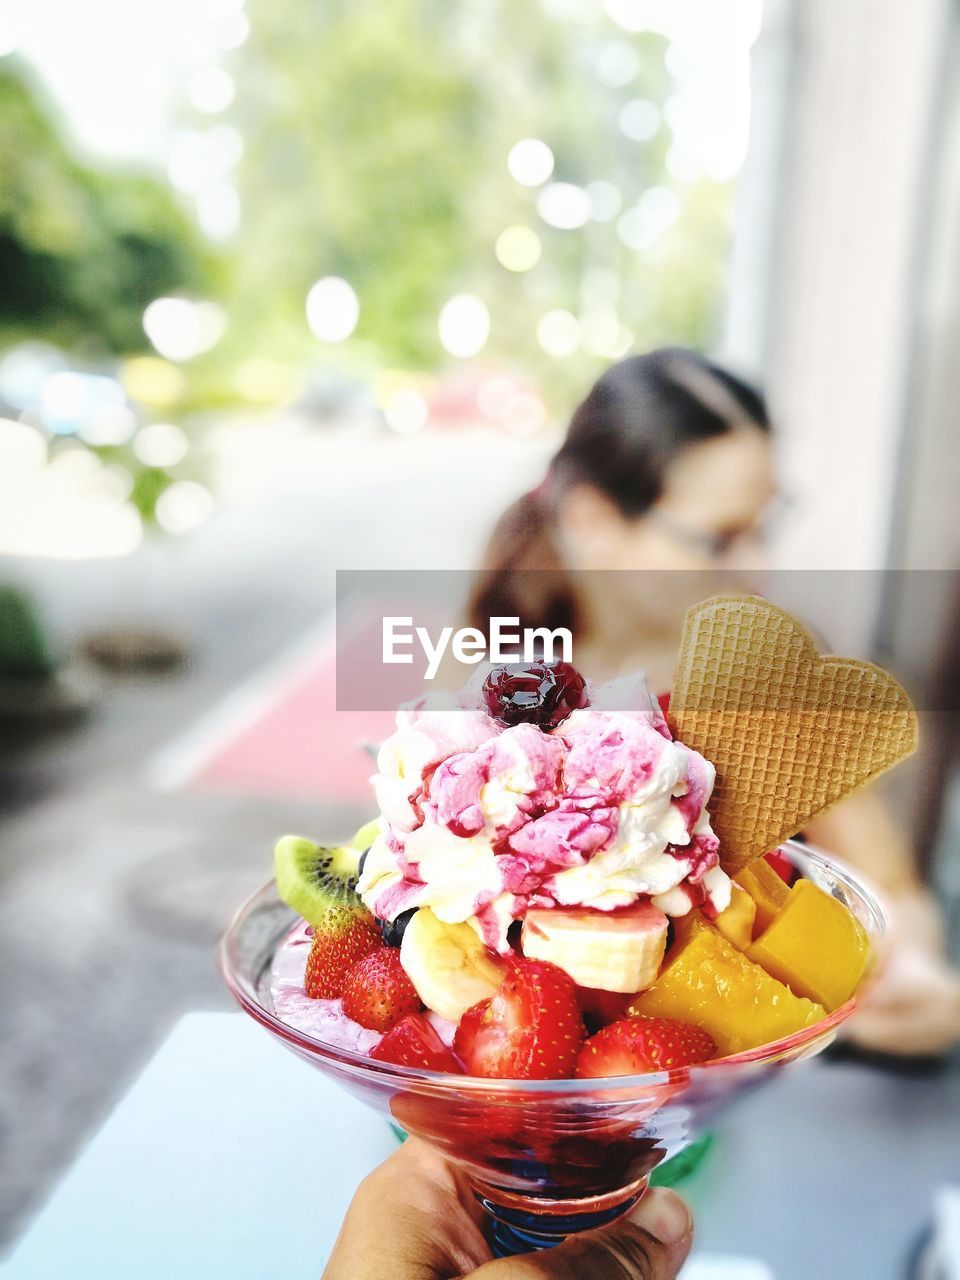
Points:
(230, 1158)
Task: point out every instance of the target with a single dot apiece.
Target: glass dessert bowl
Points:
(545, 1157)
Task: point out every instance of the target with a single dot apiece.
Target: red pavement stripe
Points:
(303, 746)
(281, 734)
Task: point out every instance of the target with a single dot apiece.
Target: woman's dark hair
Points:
(640, 415)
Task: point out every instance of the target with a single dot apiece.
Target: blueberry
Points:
(393, 930)
(363, 858)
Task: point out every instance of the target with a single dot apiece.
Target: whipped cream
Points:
(483, 821)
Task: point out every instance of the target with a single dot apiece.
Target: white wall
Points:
(865, 81)
(832, 211)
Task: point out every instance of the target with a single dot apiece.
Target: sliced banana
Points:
(611, 951)
(448, 964)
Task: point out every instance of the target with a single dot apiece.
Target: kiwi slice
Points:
(312, 878)
(366, 835)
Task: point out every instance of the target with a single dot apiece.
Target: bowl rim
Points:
(362, 1065)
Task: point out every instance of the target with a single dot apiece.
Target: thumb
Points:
(650, 1243)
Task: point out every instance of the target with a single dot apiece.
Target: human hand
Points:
(914, 1007)
(415, 1218)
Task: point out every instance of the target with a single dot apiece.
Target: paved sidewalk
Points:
(112, 895)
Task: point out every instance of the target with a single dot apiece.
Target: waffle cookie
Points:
(790, 732)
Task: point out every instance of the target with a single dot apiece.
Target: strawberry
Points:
(413, 1042)
(377, 992)
(467, 1027)
(781, 865)
(600, 1008)
(530, 1030)
(343, 936)
(637, 1045)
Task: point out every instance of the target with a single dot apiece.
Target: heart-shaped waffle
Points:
(790, 732)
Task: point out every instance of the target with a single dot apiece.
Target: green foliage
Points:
(24, 649)
(376, 134)
(375, 141)
(81, 252)
(361, 150)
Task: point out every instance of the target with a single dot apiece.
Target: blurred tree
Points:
(82, 253)
(376, 135)
(363, 145)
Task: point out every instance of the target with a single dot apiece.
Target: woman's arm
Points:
(915, 1006)
(861, 832)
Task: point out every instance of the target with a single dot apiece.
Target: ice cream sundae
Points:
(543, 895)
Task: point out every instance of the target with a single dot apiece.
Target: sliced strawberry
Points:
(466, 1033)
(413, 1042)
(530, 1030)
(637, 1045)
(378, 993)
(343, 936)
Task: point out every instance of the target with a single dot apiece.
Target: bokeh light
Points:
(605, 200)
(73, 401)
(639, 120)
(112, 424)
(559, 333)
(184, 506)
(161, 444)
(600, 330)
(530, 162)
(654, 213)
(268, 381)
(66, 504)
(212, 90)
(115, 482)
(25, 369)
(618, 64)
(526, 414)
(218, 210)
(496, 394)
(406, 410)
(233, 30)
(22, 447)
(518, 248)
(333, 309)
(181, 328)
(464, 325)
(151, 380)
(564, 206)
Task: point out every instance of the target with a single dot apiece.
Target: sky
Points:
(120, 70)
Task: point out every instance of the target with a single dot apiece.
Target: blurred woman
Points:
(667, 466)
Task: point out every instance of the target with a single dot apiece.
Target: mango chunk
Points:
(815, 945)
(767, 890)
(736, 921)
(709, 983)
